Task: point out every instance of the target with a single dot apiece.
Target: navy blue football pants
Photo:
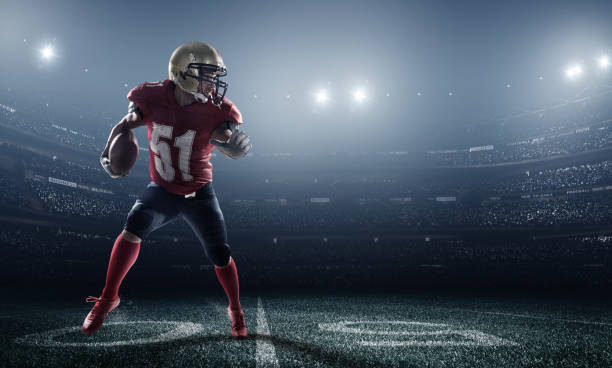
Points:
(156, 207)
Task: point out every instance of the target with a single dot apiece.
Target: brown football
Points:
(123, 153)
(221, 135)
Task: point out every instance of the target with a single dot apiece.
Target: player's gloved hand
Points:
(237, 146)
(232, 126)
(105, 162)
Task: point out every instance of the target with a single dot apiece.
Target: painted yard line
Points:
(473, 337)
(178, 330)
(265, 354)
(598, 323)
(219, 308)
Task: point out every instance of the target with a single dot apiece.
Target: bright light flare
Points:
(604, 62)
(574, 71)
(47, 53)
(359, 95)
(321, 96)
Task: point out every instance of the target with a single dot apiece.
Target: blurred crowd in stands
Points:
(575, 176)
(574, 195)
(589, 133)
(547, 212)
(74, 138)
(375, 199)
(11, 192)
(42, 254)
(533, 149)
(66, 201)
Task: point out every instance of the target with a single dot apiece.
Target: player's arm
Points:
(222, 133)
(223, 152)
(238, 144)
(132, 120)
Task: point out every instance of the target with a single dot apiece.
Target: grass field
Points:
(313, 330)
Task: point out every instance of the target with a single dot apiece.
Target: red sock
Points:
(228, 277)
(122, 258)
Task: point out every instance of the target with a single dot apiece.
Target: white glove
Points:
(105, 162)
(232, 126)
(237, 146)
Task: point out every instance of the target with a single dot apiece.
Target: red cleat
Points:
(98, 313)
(239, 328)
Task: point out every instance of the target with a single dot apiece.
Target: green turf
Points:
(388, 330)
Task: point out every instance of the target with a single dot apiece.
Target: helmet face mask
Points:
(197, 68)
(209, 81)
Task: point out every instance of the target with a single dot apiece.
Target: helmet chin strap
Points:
(211, 95)
(199, 97)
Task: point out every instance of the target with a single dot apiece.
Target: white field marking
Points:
(598, 323)
(265, 354)
(179, 330)
(484, 339)
(218, 307)
(119, 315)
(344, 327)
(474, 337)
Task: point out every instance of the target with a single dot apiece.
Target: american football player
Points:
(182, 114)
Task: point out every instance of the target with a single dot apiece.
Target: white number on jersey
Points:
(161, 151)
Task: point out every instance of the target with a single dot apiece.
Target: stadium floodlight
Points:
(359, 95)
(47, 52)
(574, 71)
(604, 62)
(321, 96)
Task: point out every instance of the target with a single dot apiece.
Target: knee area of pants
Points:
(139, 223)
(130, 236)
(219, 254)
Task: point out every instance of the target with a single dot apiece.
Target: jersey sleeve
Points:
(232, 114)
(141, 96)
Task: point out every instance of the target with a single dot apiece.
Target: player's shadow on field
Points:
(318, 353)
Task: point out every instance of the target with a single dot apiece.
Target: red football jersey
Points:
(179, 148)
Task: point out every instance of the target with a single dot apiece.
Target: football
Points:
(123, 153)
(221, 134)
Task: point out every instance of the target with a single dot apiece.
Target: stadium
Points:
(449, 206)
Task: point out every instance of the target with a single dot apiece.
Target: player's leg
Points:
(204, 216)
(123, 256)
(153, 209)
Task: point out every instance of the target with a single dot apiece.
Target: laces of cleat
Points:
(92, 299)
(98, 310)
